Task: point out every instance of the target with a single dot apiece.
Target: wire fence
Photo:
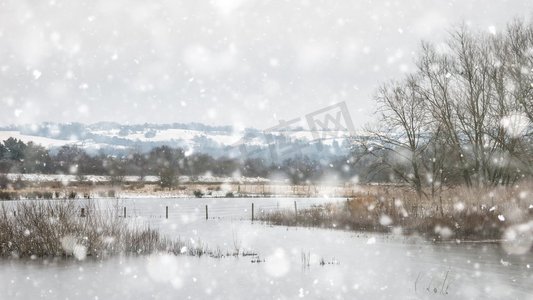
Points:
(183, 209)
(209, 210)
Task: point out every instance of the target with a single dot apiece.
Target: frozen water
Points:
(342, 264)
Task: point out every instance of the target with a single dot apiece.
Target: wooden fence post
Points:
(295, 209)
(393, 208)
(124, 211)
(252, 211)
(206, 213)
(82, 214)
(166, 212)
(441, 207)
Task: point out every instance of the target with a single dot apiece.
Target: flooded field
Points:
(283, 263)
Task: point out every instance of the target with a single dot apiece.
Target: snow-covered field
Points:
(357, 265)
(149, 179)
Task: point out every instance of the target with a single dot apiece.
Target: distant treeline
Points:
(166, 162)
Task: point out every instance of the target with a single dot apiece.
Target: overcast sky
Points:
(227, 62)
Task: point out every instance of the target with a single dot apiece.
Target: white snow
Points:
(43, 141)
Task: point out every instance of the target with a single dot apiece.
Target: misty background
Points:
(226, 62)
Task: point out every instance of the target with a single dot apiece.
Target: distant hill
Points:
(114, 138)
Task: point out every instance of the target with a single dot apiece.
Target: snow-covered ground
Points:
(191, 139)
(43, 141)
(357, 265)
(150, 179)
(49, 142)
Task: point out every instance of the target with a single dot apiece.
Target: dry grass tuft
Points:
(55, 228)
(461, 213)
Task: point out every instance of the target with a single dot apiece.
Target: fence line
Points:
(248, 211)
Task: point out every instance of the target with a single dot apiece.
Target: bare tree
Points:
(465, 116)
(402, 126)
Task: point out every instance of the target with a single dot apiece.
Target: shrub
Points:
(8, 195)
(168, 178)
(45, 229)
(370, 213)
(19, 184)
(4, 182)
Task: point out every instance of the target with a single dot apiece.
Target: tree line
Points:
(166, 162)
(463, 117)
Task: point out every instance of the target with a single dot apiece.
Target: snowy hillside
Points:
(221, 140)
